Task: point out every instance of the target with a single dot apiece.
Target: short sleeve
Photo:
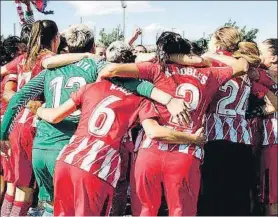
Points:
(221, 74)
(259, 90)
(11, 77)
(147, 70)
(77, 96)
(147, 110)
(12, 66)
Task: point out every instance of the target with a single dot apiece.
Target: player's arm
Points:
(63, 59)
(240, 66)
(56, 115)
(30, 91)
(159, 133)
(177, 107)
(264, 78)
(129, 70)
(271, 101)
(9, 90)
(145, 57)
(137, 32)
(190, 60)
(10, 68)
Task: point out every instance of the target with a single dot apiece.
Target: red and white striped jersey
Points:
(197, 86)
(25, 116)
(107, 112)
(226, 114)
(270, 125)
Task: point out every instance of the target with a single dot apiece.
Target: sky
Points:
(193, 19)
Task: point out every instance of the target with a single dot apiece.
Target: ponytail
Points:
(250, 52)
(34, 45)
(42, 34)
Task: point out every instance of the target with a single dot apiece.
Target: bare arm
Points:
(190, 60)
(56, 115)
(240, 66)
(156, 132)
(63, 59)
(135, 36)
(271, 102)
(4, 71)
(119, 70)
(145, 57)
(9, 90)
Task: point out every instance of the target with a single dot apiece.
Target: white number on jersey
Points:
(57, 84)
(23, 78)
(191, 95)
(225, 101)
(107, 114)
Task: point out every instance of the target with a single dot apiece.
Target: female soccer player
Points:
(173, 167)
(269, 52)
(43, 43)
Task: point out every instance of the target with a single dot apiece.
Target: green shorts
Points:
(44, 161)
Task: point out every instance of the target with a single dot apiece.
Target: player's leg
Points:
(181, 180)
(148, 176)
(43, 165)
(63, 196)
(119, 201)
(8, 198)
(24, 177)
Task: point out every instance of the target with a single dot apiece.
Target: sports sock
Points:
(20, 208)
(7, 205)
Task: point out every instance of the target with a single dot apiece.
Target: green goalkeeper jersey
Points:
(57, 85)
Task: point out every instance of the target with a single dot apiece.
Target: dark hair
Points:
(170, 43)
(199, 47)
(42, 33)
(63, 44)
(25, 33)
(10, 45)
(140, 45)
(273, 45)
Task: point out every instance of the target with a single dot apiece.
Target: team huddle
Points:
(89, 130)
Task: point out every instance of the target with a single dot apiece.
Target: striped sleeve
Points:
(29, 91)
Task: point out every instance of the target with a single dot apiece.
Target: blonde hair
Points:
(248, 51)
(80, 38)
(228, 38)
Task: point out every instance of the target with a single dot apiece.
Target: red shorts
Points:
(21, 139)
(79, 193)
(178, 173)
(269, 162)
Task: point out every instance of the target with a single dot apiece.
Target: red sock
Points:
(20, 208)
(7, 205)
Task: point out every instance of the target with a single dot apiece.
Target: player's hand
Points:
(34, 105)
(137, 32)
(201, 137)
(5, 149)
(179, 110)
